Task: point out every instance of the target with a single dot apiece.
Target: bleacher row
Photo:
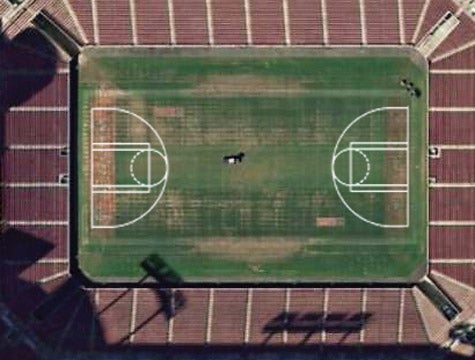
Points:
(110, 317)
(35, 206)
(252, 22)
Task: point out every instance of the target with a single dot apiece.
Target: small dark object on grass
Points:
(233, 159)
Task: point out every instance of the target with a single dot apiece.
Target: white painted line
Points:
(133, 22)
(259, 46)
(455, 147)
(30, 72)
(452, 185)
(402, 24)
(209, 18)
(69, 138)
(95, 22)
(38, 108)
(453, 71)
(452, 261)
(171, 320)
(326, 296)
(454, 51)
(133, 315)
(363, 310)
(76, 21)
(420, 21)
(171, 22)
(52, 277)
(209, 320)
(247, 10)
(452, 223)
(36, 223)
(53, 261)
(25, 185)
(364, 37)
(71, 321)
(455, 281)
(247, 328)
(40, 261)
(323, 5)
(401, 316)
(94, 324)
(24, 147)
(285, 335)
(285, 10)
(452, 109)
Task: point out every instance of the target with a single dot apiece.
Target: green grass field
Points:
(332, 187)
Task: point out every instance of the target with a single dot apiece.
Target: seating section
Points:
(114, 22)
(267, 21)
(306, 22)
(344, 22)
(229, 22)
(191, 24)
(382, 21)
(153, 24)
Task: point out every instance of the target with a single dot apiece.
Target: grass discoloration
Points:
(257, 221)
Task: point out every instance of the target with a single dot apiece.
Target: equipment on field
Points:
(233, 159)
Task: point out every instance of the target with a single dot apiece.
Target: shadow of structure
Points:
(28, 63)
(35, 316)
(313, 322)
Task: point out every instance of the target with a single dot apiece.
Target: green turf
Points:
(256, 221)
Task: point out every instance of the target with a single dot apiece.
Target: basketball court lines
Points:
(134, 148)
(104, 155)
(369, 153)
(363, 148)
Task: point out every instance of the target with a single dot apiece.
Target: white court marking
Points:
(139, 187)
(360, 147)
